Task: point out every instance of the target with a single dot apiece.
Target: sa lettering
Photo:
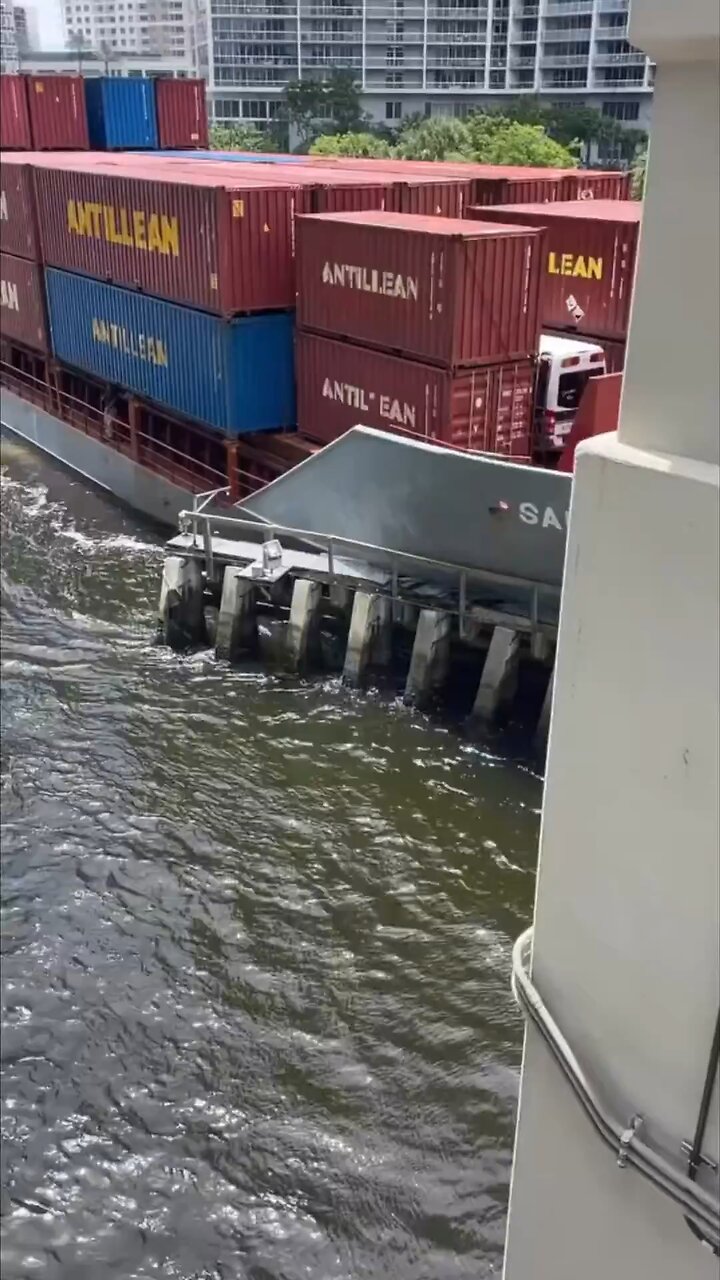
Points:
(530, 514)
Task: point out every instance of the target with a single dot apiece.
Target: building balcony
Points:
(410, 38)
(613, 6)
(619, 59)
(436, 62)
(521, 64)
(413, 62)
(330, 12)
(575, 60)
(323, 60)
(637, 82)
(564, 35)
(527, 11)
(611, 33)
(318, 37)
(555, 10)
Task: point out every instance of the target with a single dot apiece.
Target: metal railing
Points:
(200, 523)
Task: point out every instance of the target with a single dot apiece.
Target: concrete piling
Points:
(180, 610)
(430, 656)
(370, 638)
(498, 681)
(541, 647)
(237, 621)
(543, 724)
(304, 621)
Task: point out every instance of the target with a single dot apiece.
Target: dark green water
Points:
(257, 1020)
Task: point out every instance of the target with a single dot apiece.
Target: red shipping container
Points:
(14, 115)
(589, 261)
(23, 302)
(18, 225)
(444, 198)
(341, 385)
(58, 118)
(615, 353)
(194, 238)
(589, 184)
(427, 287)
(529, 189)
(182, 118)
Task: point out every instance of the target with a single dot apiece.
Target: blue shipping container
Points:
(121, 112)
(235, 375)
(243, 157)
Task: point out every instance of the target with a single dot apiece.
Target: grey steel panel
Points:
(424, 500)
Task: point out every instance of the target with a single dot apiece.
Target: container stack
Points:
(71, 112)
(589, 260)
(22, 293)
(177, 288)
(427, 327)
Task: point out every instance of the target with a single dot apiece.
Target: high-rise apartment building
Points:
(8, 38)
(134, 26)
(27, 32)
(427, 56)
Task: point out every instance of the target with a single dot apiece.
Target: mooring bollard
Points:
(237, 621)
(430, 658)
(181, 622)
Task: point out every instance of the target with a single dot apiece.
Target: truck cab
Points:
(564, 368)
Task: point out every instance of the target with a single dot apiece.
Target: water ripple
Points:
(256, 938)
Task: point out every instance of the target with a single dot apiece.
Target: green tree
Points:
(236, 137)
(342, 101)
(570, 125)
(107, 53)
(439, 139)
(350, 144)
(638, 175)
(333, 102)
(304, 107)
(498, 140)
(76, 40)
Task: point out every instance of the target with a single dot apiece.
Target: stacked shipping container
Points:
(173, 275)
(439, 327)
(22, 294)
(66, 112)
(589, 260)
(217, 250)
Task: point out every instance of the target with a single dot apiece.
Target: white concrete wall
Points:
(672, 384)
(627, 920)
(626, 924)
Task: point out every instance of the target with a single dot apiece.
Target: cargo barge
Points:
(168, 306)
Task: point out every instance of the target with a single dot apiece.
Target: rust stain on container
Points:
(15, 130)
(589, 262)
(188, 235)
(18, 226)
(341, 385)
(23, 302)
(182, 117)
(58, 117)
(427, 287)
